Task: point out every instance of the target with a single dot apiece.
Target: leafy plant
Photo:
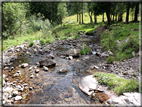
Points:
(85, 50)
(42, 42)
(31, 44)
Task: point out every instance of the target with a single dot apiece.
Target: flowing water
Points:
(51, 87)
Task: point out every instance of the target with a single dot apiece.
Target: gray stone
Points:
(17, 98)
(15, 93)
(37, 71)
(62, 70)
(133, 53)
(31, 76)
(36, 42)
(24, 65)
(45, 68)
(88, 82)
(16, 75)
(47, 62)
(73, 52)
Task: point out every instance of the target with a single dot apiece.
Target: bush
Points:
(42, 42)
(31, 44)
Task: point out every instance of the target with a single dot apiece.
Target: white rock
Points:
(31, 76)
(30, 68)
(45, 68)
(24, 65)
(96, 67)
(15, 93)
(70, 57)
(19, 72)
(133, 53)
(110, 53)
(25, 85)
(18, 98)
(94, 52)
(8, 89)
(62, 70)
(30, 88)
(86, 83)
(16, 75)
(37, 71)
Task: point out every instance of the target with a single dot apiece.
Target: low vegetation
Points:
(85, 50)
(118, 84)
(127, 35)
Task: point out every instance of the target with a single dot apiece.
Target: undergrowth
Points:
(118, 84)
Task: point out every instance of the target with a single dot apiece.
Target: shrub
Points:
(42, 42)
(110, 59)
(31, 44)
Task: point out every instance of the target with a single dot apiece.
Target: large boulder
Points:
(73, 52)
(47, 62)
(88, 83)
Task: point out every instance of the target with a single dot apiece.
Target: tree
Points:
(90, 12)
(136, 12)
(127, 14)
(62, 11)
(13, 17)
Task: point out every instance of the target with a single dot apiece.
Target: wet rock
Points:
(86, 83)
(25, 85)
(13, 58)
(47, 62)
(70, 57)
(45, 68)
(15, 93)
(30, 88)
(30, 68)
(24, 65)
(73, 52)
(17, 98)
(6, 79)
(62, 70)
(16, 75)
(37, 71)
(6, 68)
(32, 76)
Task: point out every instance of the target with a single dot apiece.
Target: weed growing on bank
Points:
(118, 84)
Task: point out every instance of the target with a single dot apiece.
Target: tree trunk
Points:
(90, 15)
(103, 18)
(82, 13)
(127, 15)
(108, 17)
(136, 12)
(95, 19)
(113, 18)
(120, 18)
(116, 18)
(77, 17)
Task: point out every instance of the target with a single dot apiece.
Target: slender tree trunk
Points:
(103, 18)
(120, 17)
(113, 18)
(77, 17)
(82, 13)
(95, 19)
(136, 12)
(127, 15)
(108, 17)
(116, 18)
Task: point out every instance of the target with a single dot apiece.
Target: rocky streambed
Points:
(51, 74)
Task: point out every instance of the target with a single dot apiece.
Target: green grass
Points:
(85, 50)
(121, 31)
(31, 44)
(118, 84)
(70, 31)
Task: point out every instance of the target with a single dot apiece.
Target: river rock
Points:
(13, 58)
(16, 75)
(24, 65)
(36, 42)
(45, 68)
(15, 93)
(133, 53)
(6, 68)
(86, 83)
(31, 76)
(17, 98)
(37, 71)
(70, 57)
(73, 52)
(47, 62)
(62, 70)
